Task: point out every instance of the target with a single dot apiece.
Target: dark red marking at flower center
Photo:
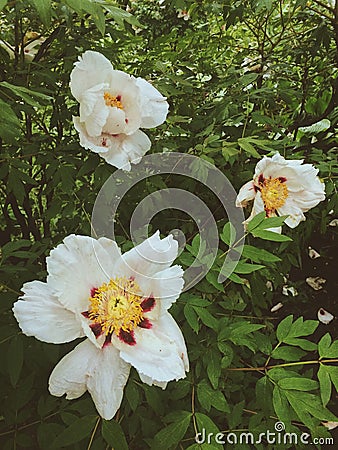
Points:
(148, 304)
(118, 98)
(85, 314)
(127, 337)
(261, 179)
(93, 291)
(282, 179)
(145, 323)
(96, 329)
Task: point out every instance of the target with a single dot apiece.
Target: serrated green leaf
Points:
(209, 320)
(9, 123)
(204, 422)
(333, 372)
(32, 98)
(248, 148)
(113, 434)
(214, 367)
(302, 343)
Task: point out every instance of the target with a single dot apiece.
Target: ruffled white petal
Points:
(246, 193)
(146, 259)
(100, 371)
(119, 150)
(159, 353)
(153, 105)
(107, 377)
(78, 265)
(71, 373)
(92, 69)
(40, 314)
(150, 382)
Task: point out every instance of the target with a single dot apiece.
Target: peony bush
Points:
(106, 342)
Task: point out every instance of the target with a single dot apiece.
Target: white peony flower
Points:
(283, 187)
(183, 14)
(120, 303)
(114, 105)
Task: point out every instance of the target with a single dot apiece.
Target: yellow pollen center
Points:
(274, 193)
(112, 101)
(116, 305)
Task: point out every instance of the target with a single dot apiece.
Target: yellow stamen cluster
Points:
(274, 193)
(112, 101)
(116, 305)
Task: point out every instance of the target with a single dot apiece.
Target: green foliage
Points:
(243, 79)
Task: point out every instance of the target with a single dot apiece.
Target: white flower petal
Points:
(70, 374)
(246, 193)
(100, 371)
(276, 307)
(78, 265)
(150, 382)
(324, 316)
(107, 377)
(315, 282)
(146, 259)
(119, 150)
(91, 69)
(154, 106)
(159, 352)
(93, 111)
(40, 314)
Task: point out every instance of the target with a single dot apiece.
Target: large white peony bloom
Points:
(283, 187)
(113, 107)
(120, 303)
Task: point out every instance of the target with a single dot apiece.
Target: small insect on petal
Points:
(315, 282)
(324, 316)
(277, 307)
(313, 254)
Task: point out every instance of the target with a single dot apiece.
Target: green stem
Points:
(298, 363)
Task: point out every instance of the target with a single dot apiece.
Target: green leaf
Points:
(287, 353)
(228, 234)
(120, 15)
(325, 384)
(43, 8)
(272, 222)
(214, 367)
(204, 422)
(172, 434)
(248, 148)
(270, 236)
(302, 343)
(245, 268)
(326, 349)
(283, 328)
(32, 98)
(3, 3)
(333, 372)
(259, 254)
(78, 430)
(113, 434)
(299, 384)
(205, 316)
(9, 123)
(208, 397)
(255, 221)
(191, 316)
(281, 405)
(15, 359)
